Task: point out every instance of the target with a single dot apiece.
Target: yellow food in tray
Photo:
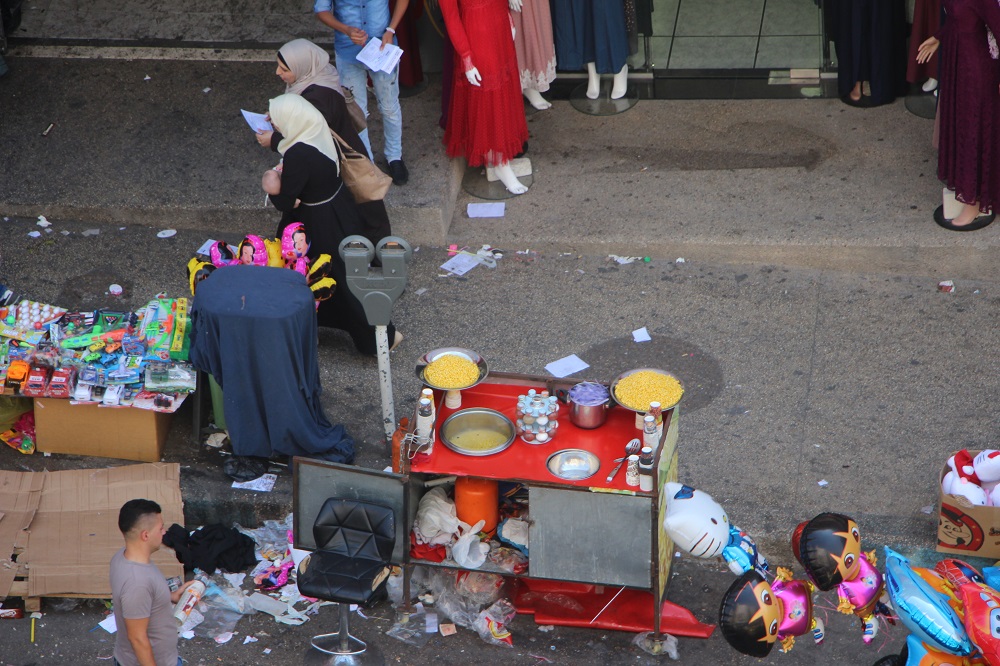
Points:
(450, 371)
(482, 439)
(639, 389)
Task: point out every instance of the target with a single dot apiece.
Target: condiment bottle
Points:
(656, 411)
(192, 595)
(650, 436)
(646, 469)
(425, 426)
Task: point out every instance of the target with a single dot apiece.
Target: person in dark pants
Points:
(870, 38)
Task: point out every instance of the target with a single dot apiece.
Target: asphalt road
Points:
(866, 381)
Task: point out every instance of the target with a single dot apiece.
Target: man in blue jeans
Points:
(357, 22)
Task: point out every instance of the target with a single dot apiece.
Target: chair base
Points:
(326, 648)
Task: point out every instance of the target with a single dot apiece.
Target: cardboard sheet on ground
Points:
(64, 525)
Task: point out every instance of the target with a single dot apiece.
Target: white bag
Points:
(436, 522)
(469, 551)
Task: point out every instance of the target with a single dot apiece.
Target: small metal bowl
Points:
(435, 354)
(462, 424)
(573, 464)
(641, 410)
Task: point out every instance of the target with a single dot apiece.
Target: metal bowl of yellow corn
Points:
(635, 389)
(451, 368)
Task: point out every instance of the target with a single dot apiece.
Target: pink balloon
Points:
(864, 590)
(797, 602)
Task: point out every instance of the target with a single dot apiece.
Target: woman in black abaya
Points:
(870, 38)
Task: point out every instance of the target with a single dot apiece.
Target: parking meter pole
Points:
(385, 382)
(377, 289)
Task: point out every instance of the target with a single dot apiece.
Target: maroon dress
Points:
(969, 102)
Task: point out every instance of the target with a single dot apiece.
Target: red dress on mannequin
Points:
(486, 123)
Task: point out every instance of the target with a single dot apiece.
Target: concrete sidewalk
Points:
(811, 183)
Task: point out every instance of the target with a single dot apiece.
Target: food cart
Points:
(591, 531)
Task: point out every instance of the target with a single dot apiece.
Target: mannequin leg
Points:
(620, 83)
(507, 177)
(593, 81)
(855, 94)
(969, 213)
(536, 100)
(929, 85)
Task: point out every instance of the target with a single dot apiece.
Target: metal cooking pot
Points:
(587, 417)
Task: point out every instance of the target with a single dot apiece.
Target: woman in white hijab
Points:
(306, 70)
(309, 190)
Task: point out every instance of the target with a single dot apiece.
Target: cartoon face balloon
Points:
(957, 572)
(750, 615)
(697, 523)
(222, 254)
(982, 619)
(987, 465)
(755, 614)
(252, 251)
(829, 549)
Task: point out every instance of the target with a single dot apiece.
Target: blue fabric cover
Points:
(253, 328)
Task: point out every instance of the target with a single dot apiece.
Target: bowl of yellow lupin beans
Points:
(635, 389)
(451, 368)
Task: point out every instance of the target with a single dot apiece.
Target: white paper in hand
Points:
(257, 121)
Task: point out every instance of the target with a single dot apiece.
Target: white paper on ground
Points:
(205, 247)
(641, 335)
(109, 624)
(491, 209)
(298, 556)
(263, 484)
(431, 622)
(460, 264)
(566, 366)
(256, 121)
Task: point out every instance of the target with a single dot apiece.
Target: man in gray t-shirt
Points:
(147, 631)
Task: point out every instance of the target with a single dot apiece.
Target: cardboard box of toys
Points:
(110, 432)
(965, 525)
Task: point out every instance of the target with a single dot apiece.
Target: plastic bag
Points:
(222, 605)
(448, 602)
(508, 559)
(394, 584)
(469, 552)
(479, 587)
(411, 628)
(491, 624)
(666, 645)
(514, 532)
(271, 537)
(436, 522)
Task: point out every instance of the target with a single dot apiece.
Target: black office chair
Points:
(354, 543)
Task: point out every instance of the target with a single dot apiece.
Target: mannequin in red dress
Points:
(486, 122)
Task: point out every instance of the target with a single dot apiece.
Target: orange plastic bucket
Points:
(478, 499)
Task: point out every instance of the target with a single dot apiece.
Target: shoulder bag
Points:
(365, 180)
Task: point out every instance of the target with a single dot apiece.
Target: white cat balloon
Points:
(987, 465)
(697, 523)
